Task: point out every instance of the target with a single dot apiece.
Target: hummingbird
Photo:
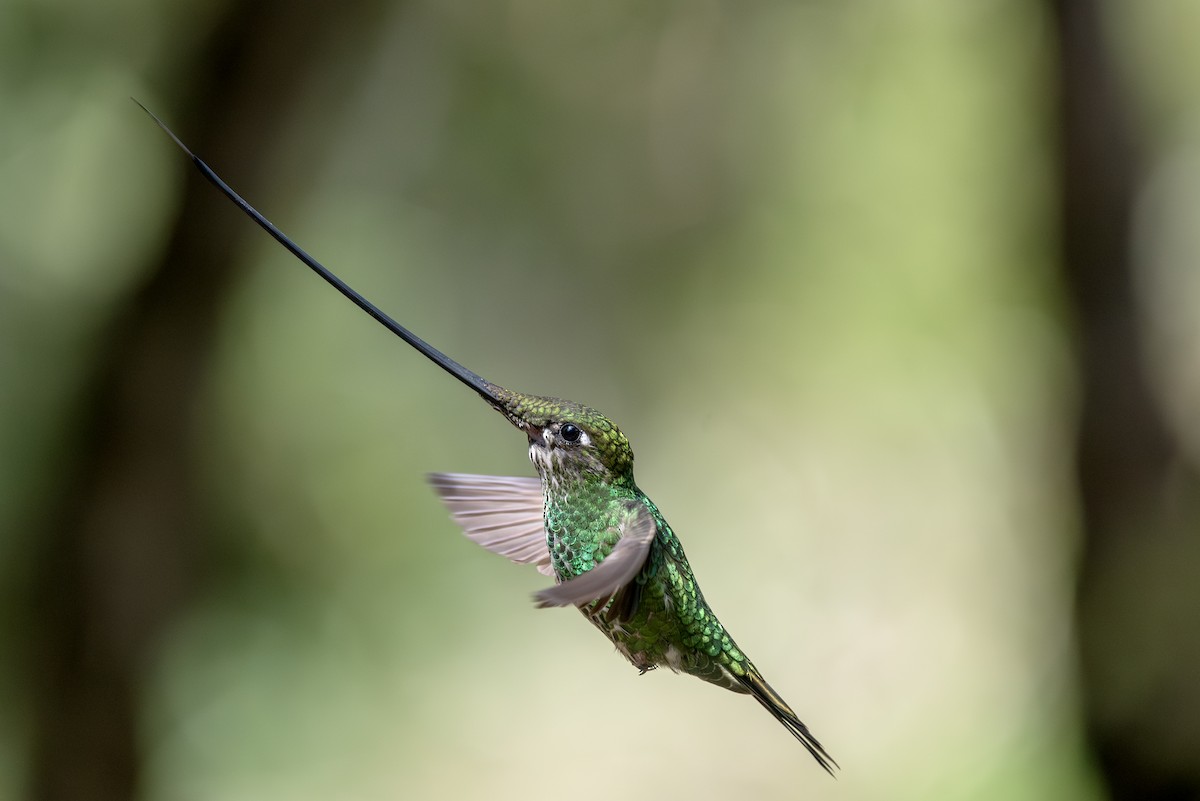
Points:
(583, 521)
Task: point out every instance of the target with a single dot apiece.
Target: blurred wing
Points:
(615, 571)
(501, 513)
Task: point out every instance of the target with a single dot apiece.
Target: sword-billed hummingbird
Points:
(584, 521)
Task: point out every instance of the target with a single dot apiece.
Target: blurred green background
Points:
(897, 303)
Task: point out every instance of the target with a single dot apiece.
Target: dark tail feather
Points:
(762, 692)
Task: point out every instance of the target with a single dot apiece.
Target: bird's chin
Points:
(539, 454)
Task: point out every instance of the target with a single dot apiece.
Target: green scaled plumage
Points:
(584, 522)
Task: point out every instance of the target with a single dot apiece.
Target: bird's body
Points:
(672, 624)
(583, 521)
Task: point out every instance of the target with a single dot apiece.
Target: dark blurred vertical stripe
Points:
(1139, 592)
(124, 546)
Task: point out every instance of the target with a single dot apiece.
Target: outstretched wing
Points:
(617, 569)
(501, 513)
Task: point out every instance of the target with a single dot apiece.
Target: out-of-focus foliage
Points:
(804, 253)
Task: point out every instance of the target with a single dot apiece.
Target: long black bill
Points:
(484, 388)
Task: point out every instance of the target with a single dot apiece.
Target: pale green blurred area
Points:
(802, 253)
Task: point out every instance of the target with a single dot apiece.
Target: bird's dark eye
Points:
(570, 432)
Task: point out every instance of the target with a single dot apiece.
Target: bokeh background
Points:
(897, 303)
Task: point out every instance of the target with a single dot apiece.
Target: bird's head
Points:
(568, 439)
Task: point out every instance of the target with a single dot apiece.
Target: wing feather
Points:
(501, 513)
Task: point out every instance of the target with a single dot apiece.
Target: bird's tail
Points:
(757, 686)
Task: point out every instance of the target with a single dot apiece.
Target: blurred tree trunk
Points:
(125, 545)
(1138, 599)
